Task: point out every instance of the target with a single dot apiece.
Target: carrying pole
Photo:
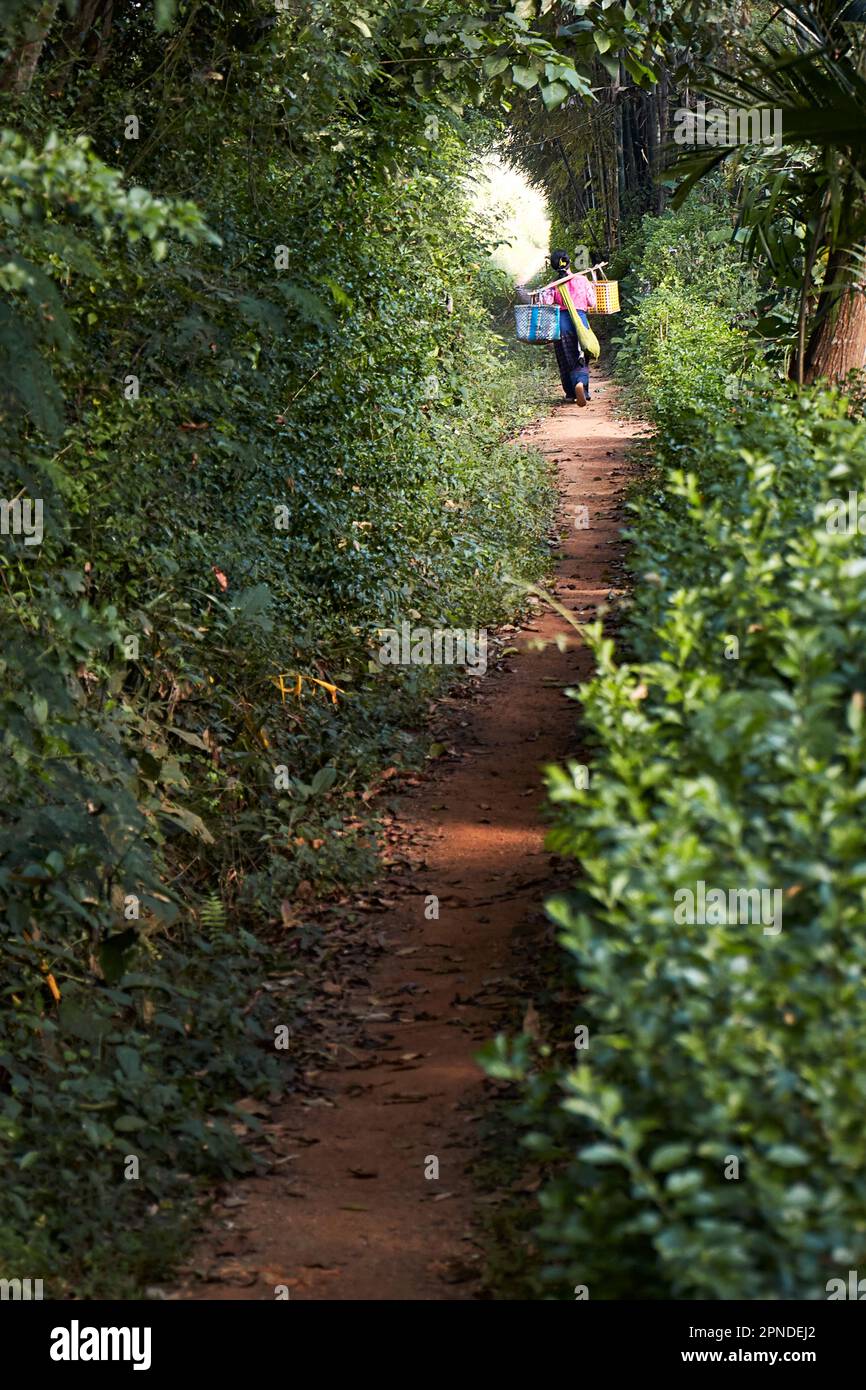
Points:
(598, 266)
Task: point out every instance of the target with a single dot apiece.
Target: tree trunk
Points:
(630, 144)
(17, 72)
(660, 114)
(648, 105)
(838, 343)
(579, 207)
(85, 39)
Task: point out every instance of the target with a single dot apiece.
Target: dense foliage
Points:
(801, 193)
(252, 412)
(690, 306)
(707, 1141)
(263, 412)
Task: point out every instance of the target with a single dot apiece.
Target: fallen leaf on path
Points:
(455, 1272)
(233, 1273)
(531, 1022)
(274, 1277)
(251, 1106)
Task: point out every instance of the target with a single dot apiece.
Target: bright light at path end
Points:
(519, 211)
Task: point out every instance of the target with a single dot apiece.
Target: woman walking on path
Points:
(574, 298)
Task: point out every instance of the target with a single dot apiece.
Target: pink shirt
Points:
(581, 290)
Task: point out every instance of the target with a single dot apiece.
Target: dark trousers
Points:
(570, 358)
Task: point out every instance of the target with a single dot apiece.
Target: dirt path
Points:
(351, 1215)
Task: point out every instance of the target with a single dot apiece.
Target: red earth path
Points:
(348, 1212)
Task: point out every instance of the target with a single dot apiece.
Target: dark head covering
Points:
(560, 260)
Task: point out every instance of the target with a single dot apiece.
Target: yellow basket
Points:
(606, 295)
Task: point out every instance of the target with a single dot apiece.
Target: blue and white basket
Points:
(537, 323)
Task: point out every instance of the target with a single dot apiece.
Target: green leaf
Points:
(129, 1059)
(323, 781)
(524, 77)
(81, 1022)
(554, 94)
(669, 1156)
(787, 1155)
(115, 951)
(602, 1153)
(686, 1181)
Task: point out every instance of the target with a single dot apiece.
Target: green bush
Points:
(714, 1041)
(679, 356)
(177, 376)
(688, 301)
(708, 1141)
(693, 249)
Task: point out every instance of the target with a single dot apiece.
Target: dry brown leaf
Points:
(234, 1273)
(288, 914)
(531, 1022)
(275, 1277)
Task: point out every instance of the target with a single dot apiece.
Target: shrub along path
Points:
(349, 1212)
